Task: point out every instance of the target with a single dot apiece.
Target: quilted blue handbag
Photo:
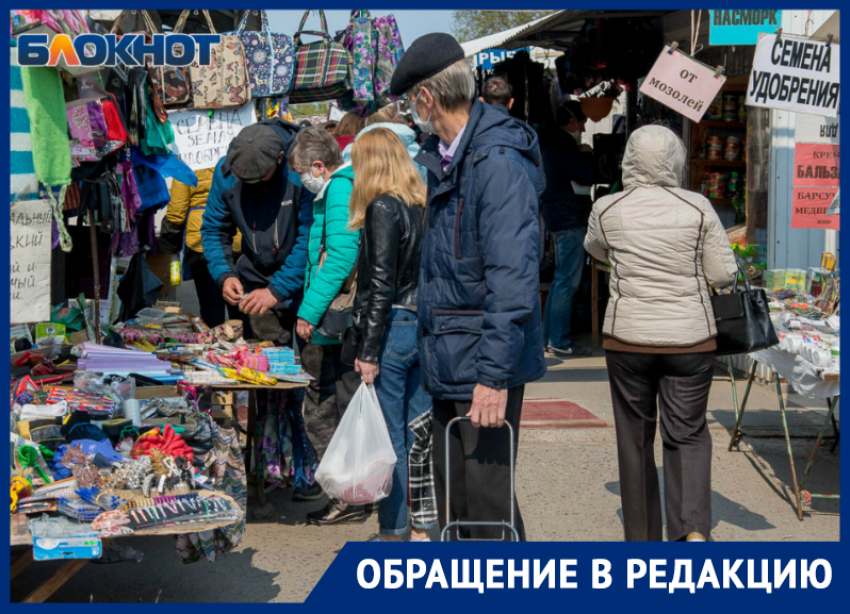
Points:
(269, 58)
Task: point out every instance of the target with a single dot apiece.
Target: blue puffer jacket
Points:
(274, 218)
(479, 301)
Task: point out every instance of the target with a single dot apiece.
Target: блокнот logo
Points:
(114, 50)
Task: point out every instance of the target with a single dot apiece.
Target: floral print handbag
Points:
(268, 58)
(388, 52)
(224, 83)
(376, 49)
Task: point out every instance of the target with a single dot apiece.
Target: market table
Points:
(808, 381)
(252, 442)
(64, 573)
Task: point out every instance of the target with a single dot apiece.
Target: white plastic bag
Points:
(358, 465)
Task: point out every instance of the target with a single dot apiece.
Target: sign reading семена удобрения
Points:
(797, 74)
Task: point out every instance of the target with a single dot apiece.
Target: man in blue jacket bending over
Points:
(479, 305)
(254, 191)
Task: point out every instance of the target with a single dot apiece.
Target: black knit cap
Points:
(427, 56)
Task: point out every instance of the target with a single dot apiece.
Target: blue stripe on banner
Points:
(15, 78)
(21, 162)
(19, 120)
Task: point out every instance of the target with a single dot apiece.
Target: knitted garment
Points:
(51, 150)
(23, 183)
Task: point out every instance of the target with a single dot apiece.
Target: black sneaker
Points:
(313, 492)
(337, 513)
(572, 351)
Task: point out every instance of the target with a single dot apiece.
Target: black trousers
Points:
(480, 468)
(214, 309)
(674, 388)
(327, 396)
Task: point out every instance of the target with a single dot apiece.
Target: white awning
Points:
(497, 40)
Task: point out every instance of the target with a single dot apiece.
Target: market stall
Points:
(808, 359)
(740, 156)
(130, 416)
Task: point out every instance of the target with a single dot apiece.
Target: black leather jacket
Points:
(387, 272)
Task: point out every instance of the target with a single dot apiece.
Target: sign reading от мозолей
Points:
(682, 83)
(798, 74)
(741, 27)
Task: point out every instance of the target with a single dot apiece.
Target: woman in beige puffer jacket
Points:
(666, 246)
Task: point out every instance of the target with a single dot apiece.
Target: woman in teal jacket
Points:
(316, 157)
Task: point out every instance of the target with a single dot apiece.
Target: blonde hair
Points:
(382, 165)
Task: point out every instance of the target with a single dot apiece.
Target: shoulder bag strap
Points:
(181, 22)
(243, 23)
(324, 33)
(147, 21)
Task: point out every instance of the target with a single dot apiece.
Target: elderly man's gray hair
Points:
(453, 87)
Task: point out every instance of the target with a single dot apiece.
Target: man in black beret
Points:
(479, 305)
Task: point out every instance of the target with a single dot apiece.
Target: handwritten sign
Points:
(682, 83)
(810, 207)
(202, 139)
(29, 274)
(741, 27)
(795, 74)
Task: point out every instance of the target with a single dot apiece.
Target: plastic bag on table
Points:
(358, 465)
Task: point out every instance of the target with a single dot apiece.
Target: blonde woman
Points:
(387, 206)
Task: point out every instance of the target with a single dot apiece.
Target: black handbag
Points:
(743, 320)
(337, 318)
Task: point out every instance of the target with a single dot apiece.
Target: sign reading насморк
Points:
(797, 74)
(741, 27)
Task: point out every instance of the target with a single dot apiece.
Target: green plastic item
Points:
(28, 457)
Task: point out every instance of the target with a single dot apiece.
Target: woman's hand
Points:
(304, 329)
(368, 370)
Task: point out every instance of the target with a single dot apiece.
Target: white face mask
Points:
(426, 125)
(313, 184)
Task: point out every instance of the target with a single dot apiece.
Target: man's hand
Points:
(304, 329)
(258, 302)
(584, 148)
(232, 290)
(368, 370)
(488, 406)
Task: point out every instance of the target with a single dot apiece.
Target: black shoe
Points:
(572, 351)
(337, 513)
(313, 492)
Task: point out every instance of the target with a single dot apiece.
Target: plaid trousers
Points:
(423, 500)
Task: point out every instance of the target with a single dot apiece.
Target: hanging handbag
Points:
(153, 73)
(337, 317)
(743, 320)
(322, 68)
(268, 58)
(224, 83)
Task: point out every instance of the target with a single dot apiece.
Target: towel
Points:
(51, 150)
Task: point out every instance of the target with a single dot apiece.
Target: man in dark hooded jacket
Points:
(478, 303)
(253, 190)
